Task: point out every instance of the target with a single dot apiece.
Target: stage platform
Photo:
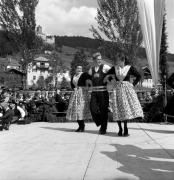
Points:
(53, 151)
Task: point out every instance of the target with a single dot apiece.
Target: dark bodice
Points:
(132, 71)
(82, 80)
(98, 76)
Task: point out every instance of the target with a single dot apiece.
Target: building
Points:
(11, 74)
(147, 81)
(42, 68)
(9, 63)
(12, 78)
(46, 38)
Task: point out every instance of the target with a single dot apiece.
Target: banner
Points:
(151, 19)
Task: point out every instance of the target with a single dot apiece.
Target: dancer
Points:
(78, 109)
(125, 103)
(99, 97)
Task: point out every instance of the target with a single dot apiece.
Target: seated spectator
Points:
(148, 97)
(8, 116)
(19, 97)
(32, 111)
(1, 111)
(5, 99)
(21, 112)
(61, 103)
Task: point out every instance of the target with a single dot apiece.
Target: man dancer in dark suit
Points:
(99, 97)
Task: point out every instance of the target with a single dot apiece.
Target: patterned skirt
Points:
(124, 102)
(79, 105)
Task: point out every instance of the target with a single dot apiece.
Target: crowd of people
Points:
(31, 106)
(95, 92)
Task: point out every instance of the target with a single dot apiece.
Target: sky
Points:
(75, 17)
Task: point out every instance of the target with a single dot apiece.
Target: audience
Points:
(43, 105)
(36, 106)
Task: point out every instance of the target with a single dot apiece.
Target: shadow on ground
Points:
(111, 134)
(155, 130)
(144, 163)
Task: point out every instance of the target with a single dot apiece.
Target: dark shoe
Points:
(81, 126)
(120, 129)
(102, 131)
(126, 132)
(78, 130)
(120, 132)
(125, 129)
(82, 129)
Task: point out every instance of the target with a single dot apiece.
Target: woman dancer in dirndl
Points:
(79, 109)
(124, 100)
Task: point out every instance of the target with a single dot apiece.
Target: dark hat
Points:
(12, 101)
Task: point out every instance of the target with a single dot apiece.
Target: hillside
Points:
(67, 46)
(77, 42)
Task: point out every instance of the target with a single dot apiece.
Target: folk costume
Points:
(78, 109)
(124, 100)
(99, 98)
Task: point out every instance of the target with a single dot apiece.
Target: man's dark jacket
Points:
(8, 116)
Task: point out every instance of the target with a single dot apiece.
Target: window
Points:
(34, 77)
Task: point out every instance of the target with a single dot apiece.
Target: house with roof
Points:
(147, 78)
(11, 74)
(42, 68)
(9, 63)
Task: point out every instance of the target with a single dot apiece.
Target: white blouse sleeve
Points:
(106, 68)
(90, 71)
(22, 112)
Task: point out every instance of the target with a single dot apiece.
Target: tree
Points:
(49, 82)
(18, 19)
(163, 54)
(65, 84)
(41, 82)
(81, 60)
(55, 61)
(118, 23)
(6, 46)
